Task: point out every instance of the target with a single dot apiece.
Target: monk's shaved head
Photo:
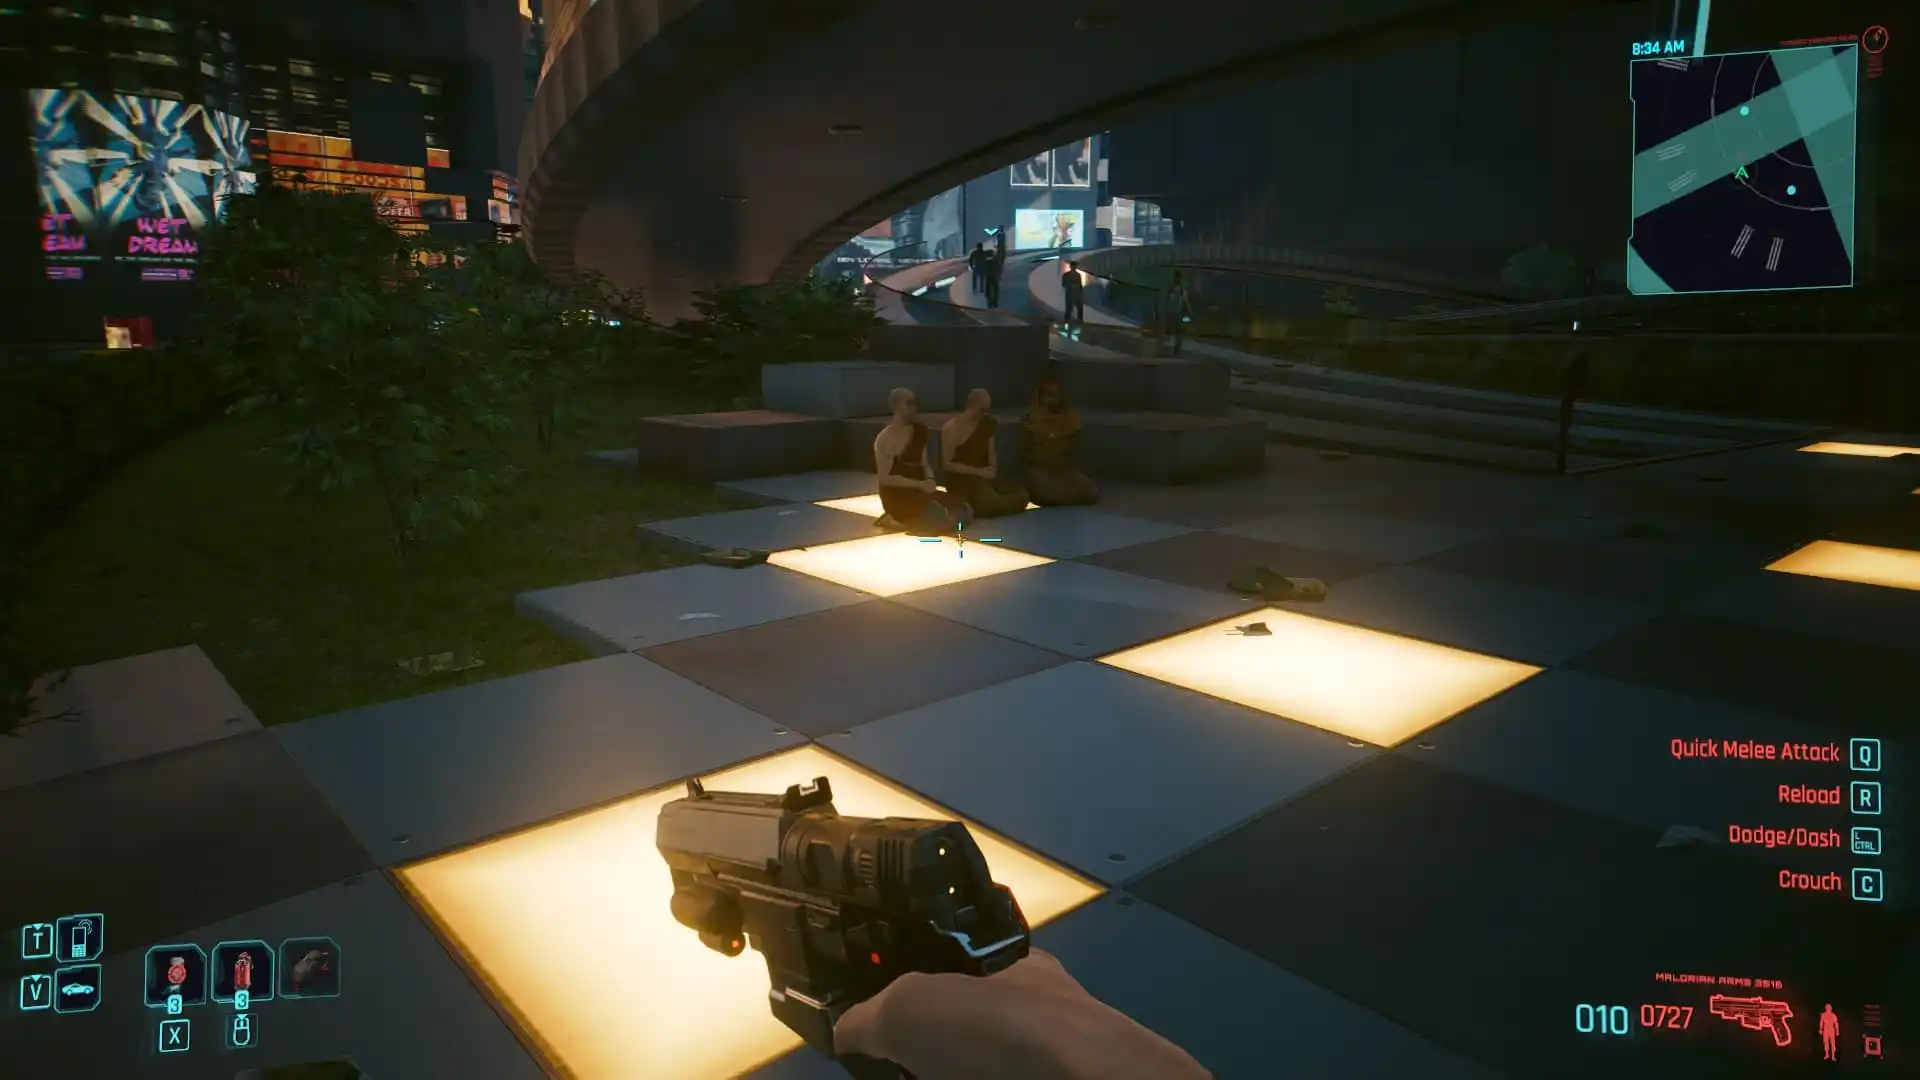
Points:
(979, 399)
(900, 396)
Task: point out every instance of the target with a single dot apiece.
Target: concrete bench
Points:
(1169, 448)
(1005, 361)
(736, 445)
(1138, 384)
(844, 388)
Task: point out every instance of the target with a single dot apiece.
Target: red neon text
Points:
(1753, 750)
(1810, 882)
(1678, 1017)
(1763, 836)
(1802, 795)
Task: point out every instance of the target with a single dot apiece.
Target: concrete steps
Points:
(1365, 413)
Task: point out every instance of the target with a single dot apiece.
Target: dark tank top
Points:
(905, 504)
(974, 451)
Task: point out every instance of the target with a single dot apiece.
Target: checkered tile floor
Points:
(1280, 899)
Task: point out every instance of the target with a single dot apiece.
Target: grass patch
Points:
(298, 601)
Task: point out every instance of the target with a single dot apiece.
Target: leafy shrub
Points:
(332, 322)
(741, 327)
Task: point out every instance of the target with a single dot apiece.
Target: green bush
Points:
(741, 327)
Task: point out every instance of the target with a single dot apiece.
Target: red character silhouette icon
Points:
(243, 972)
(176, 972)
(1829, 1035)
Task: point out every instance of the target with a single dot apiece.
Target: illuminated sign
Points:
(303, 162)
(123, 178)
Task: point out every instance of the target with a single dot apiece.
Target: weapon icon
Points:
(1755, 1014)
(838, 906)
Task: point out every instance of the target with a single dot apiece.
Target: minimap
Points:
(1743, 171)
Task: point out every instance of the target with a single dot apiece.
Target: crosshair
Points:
(960, 537)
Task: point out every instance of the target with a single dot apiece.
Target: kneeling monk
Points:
(971, 464)
(1052, 431)
(912, 500)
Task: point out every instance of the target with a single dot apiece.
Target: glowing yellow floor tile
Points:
(869, 506)
(1349, 680)
(568, 926)
(894, 563)
(1893, 568)
(1854, 449)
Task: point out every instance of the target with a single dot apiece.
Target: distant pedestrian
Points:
(977, 262)
(993, 262)
(1073, 287)
(1179, 310)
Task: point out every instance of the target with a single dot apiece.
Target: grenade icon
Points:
(243, 972)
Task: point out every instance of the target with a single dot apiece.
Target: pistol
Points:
(838, 906)
(1755, 1014)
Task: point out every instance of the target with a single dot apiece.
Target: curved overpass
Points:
(676, 144)
(1313, 266)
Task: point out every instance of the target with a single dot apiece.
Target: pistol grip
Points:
(862, 1067)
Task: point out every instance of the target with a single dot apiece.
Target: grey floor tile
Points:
(641, 610)
(1068, 532)
(764, 528)
(169, 841)
(1213, 506)
(1650, 573)
(1605, 747)
(1238, 1015)
(1370, 536)
(1850, 687)
(1843, 609)
(1076, 609)
(405, 1008)
(424, 774)
(1417, 893)
(104, 714)
(1517, 622)
(1208, 560)
(1063, 761)
(825, 673)
(807, 486)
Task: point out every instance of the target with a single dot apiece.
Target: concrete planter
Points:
(846, 388)
(1170, 448)
(736, 445)
(1196, 387)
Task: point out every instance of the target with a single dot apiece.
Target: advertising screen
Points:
(1036, 171)
(1073, 165)
(127, 179)
(1038, 230)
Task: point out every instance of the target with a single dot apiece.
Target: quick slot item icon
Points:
(79, 939)
(76, 989)
(176, 977)
(242, 968)
(309, 968)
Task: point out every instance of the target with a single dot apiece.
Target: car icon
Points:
(76, 989)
